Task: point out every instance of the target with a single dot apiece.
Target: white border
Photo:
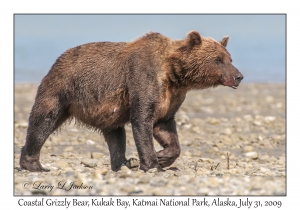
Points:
(8, 8)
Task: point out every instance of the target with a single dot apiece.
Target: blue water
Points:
(257, 43)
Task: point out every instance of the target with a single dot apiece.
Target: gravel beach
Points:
(233, 142)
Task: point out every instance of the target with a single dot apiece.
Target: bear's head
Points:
(201, 62)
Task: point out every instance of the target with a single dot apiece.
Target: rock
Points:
(62, 164)
(252, 155)
(125, 169)
(97, 155)
(213, 121)
(128, 188)
(105, 161)
(92, 163)
(227, 131)
(264, 170)
(103, 171)
(98, 174)
(196, 129)
(152, 170)
(213, 182)
(132, 163)
(90, 142)
(264, 157)
(269, 119)
(256, 122)
(248, 149)
(144, 179)
(260, 138)
(203, 191)
(248, 117)
(68, 149)
(22, 124)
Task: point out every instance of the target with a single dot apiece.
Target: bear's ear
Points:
(193, 39)
(224, 41)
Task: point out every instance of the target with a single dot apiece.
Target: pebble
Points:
(92, 163)
(252, 155)
(132, 163)
(62, 164)
(68, 149)
(97, 155)
(90, 142)
(248, 149)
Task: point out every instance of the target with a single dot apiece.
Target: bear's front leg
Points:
(142, 128)
(166, 135)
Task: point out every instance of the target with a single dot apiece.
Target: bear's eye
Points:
(219, 59)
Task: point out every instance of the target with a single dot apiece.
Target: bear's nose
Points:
(239, 77)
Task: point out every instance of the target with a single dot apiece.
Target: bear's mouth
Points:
(230, 82)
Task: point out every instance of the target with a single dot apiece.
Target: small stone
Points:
(248, 149)
(17, 169)
(196, 129)
(68, 149)
(213, 182)
(62, 164)
(98, 174)
(260, 138)
(252, 155)
(159, 191)
(22, 124)
(125, 169)
(103, 171)
(233, 171)
(264, 157)
(227, 131)
(90, 142)
(132, 163)
(170, 172)
(144, 179)
(203, 191)
(269, 118)
(269, 99)
(97, 155)
(89, 162)
(152, 170)
(264, 170)
(248, 117)
(105, 161)
(213, 121)
(256, 122)
(128, 188)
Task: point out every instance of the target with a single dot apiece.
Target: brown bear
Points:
(105, 85)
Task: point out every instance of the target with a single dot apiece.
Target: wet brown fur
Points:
(105, 85)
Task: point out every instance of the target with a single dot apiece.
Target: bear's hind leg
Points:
(116, 141)
(166, 135)
(42, 123)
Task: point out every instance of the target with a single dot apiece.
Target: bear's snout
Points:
(237, 79)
